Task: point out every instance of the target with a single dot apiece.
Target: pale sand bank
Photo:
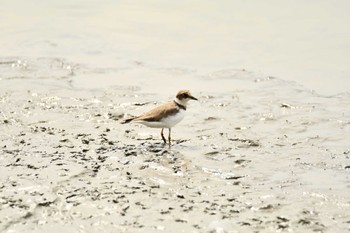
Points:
(255, 154)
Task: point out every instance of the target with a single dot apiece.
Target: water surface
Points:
(303, 41)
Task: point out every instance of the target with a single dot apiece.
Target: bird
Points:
(166, 115)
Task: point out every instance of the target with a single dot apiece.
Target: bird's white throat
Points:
(181, 102)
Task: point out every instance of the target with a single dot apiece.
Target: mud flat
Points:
(254, 154)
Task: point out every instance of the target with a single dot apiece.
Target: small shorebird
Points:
(166, 115)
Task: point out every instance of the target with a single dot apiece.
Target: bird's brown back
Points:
(159, 112)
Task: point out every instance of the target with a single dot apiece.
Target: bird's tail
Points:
(127, 120)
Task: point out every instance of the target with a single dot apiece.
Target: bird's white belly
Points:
(167, 122)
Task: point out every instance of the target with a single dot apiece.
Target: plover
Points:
(166, 115)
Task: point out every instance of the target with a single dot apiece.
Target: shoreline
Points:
(263, 155)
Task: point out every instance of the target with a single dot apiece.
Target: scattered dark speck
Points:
(211, 118)
(143, 167)
(141, 104)
(165, 212)
(283, 219)
(70, 196)
(304, 222)
(180, 220)
(85, 141)
(245, 224)
(267, 207)
(212, 153)
(28, 215)
(233, 177)
(180, 196)
(240, 161)
(130, 153)
(32, 167)
(282, 226)
(45, 204)
(285, 105)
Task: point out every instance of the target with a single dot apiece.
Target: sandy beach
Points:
(258, 152)
(251, 159)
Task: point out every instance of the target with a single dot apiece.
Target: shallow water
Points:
(299, 41)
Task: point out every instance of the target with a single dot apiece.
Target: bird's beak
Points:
(194, 98)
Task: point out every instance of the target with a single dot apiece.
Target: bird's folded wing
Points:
(159, 112)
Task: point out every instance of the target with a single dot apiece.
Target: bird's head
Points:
(184, 96)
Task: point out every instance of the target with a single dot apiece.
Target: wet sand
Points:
(255, 154)
(265, 149)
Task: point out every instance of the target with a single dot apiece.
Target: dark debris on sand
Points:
(66, 162)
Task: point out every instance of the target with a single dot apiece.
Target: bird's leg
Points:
(169, 137)
(161, 133)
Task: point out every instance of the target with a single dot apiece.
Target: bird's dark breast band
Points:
(180, 105)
